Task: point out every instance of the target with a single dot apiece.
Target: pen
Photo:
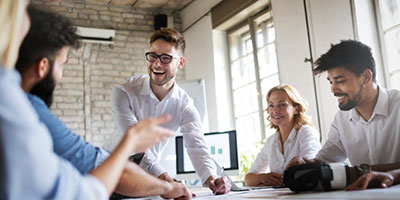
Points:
(221, 173)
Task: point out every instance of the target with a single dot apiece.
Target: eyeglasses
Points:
(164, 58)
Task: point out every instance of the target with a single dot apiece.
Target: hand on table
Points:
(273, 179)
(377, 179)
(220, 185)
(179, 191)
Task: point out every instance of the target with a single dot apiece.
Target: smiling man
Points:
(156, 94)
(366, 129)
(42, 57)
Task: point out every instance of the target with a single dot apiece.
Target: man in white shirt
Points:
(155, 94)
(366, 129)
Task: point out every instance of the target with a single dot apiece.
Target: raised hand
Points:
(146, 133)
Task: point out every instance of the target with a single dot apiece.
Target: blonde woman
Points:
(29, 168)
(294, 136)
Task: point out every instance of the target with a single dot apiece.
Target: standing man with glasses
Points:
(144, 96)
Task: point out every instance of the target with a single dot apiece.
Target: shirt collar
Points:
(291, 137)
(292, 134)
(146, 90)
(381, 106)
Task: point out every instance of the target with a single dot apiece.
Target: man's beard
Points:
(163, 82)
(44, 89)
(169, 75)
(351, 103)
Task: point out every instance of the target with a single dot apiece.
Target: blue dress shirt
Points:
(67, 144)
(29, 168)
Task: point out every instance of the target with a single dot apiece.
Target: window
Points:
(389, 14)
(254, 71)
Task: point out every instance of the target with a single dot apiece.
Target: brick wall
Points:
(82, 99)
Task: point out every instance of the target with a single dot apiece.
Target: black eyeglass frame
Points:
(167, 56)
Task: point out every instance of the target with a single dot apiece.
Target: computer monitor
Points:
(222, 147)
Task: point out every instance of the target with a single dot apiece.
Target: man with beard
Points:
(366, 129)
(42, 57)
(157, 93)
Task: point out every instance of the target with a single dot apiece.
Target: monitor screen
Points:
(222, 146)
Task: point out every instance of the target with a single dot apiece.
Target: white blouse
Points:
(303, 142)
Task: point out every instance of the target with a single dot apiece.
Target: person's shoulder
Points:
(135, 80)
(271, 139)
(133, 84)
(36, 102)
(180, 90)
(394, 94)
(182, 95)
(342, 116)
(307, 128)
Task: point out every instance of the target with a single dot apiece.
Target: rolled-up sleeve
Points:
(309, 143)
(151, 164)
(260, 164)
(101, 156)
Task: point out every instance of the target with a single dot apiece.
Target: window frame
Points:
(387, 79)
(252, 24)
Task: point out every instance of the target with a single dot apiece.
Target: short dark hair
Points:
(350, 54)
(170, 35)
(48, 34)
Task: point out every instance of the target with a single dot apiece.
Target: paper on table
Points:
(271, 192)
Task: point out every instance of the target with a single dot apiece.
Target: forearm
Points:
(390, 168)
(396, 176)
(109, 172)
(165, 177)
(252, 179)
(135, 182)
(385, 167)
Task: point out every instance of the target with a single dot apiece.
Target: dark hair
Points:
(170, 35)
(48, 34)
(350, 54)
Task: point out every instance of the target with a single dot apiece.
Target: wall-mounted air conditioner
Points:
(96, 35)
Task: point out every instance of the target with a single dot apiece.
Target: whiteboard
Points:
(196, 90)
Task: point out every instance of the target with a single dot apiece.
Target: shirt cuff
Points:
(157, 170)
(96, 188)
(206, 174)
(100, 156)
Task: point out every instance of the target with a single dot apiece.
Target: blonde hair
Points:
(297, 101)
(11, 17)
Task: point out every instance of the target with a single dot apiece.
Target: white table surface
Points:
(285, 193)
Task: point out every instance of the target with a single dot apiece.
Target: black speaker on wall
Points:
(160, 21)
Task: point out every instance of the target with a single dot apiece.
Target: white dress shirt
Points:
(303, 142)
(134, 100)
(376, 141)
